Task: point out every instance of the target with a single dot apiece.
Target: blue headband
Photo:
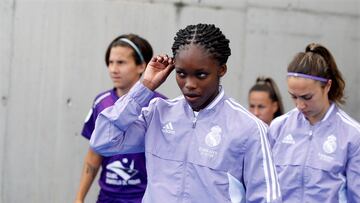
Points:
(137, 50)
(307, 76)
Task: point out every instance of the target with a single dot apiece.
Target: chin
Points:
(118, 86)
(195, 107)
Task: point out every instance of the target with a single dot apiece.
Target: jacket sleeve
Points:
(260, 178)
(353, 175)
(121, 128)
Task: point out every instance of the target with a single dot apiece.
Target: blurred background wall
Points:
(52, 66)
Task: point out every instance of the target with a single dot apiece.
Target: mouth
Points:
(305, 112)
(192, 97)
(116, 78)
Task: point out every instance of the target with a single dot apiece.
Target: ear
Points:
(141, 68)
(275, 106)
(328, 86)
(222, 70)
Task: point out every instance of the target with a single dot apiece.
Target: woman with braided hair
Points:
(316, 146)
(265, 100)
(192, 142)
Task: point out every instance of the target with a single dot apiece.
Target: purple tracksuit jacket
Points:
(188, 157)
(317, 163)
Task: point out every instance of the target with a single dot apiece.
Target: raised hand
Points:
(157, 70)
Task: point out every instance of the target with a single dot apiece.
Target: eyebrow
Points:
(195, 71)
(302, 96)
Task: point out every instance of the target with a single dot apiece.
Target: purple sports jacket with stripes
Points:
(317, 163)
(188, 157)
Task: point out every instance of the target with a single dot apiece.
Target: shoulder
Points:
(248, 130)
(281, 120)
(348, 122)
(162, 100)
(102, 97)
(163, 103)
(349, 127)
(237, 112)
(233, 108)
(288, 119)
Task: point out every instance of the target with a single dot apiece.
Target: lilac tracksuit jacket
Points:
(188, 157)
(317, 163)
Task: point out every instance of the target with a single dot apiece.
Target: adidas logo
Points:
(168, 128)
(288, 139)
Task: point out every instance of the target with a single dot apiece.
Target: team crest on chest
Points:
(330, 144)
(213, 138)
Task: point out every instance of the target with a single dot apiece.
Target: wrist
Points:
(148, 84)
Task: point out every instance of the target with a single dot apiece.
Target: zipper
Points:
(194, 120)
(310, 136)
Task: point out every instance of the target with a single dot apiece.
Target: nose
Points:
(190, 83)
(256, 112)
(111, 68)
(300, 104)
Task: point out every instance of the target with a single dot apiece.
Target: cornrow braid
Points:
(206, 35)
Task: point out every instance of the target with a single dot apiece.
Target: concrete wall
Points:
(51, 67)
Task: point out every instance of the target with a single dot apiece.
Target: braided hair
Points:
(206, 35)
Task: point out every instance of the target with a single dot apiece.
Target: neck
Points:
(318, 117)
(121, 92)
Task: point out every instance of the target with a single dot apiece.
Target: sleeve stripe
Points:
(99, 99)
(275, 184)
(347, 119)
(273, 192)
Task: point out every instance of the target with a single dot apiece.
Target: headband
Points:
(137, 50)
(307, 76)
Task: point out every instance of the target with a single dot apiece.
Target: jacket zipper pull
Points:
(194, 122)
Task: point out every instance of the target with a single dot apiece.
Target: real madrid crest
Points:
(213, 138)
(330, 145)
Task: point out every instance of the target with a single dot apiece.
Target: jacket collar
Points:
(213, 103)
(327, 116)
(217, 99)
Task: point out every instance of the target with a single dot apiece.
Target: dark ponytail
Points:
(267, 84)
(318, 61)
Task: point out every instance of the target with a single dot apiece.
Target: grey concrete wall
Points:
(5, 61)
(51, 67)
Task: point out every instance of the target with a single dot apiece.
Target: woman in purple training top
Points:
(194, 141)
(123, 177)
(316, 146)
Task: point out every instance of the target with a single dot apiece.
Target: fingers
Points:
(164, 59)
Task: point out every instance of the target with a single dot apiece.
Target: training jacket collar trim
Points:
(217, 99)
(326, 117)
(329, 112)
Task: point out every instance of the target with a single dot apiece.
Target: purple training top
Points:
(122, 176)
